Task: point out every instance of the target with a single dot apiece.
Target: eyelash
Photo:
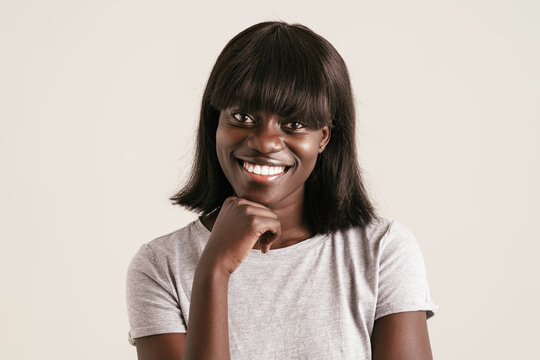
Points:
(302, 126)
(237, 115)
(234, 114)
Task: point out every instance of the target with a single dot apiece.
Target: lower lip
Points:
(263, 178)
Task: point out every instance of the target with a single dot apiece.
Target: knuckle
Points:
(254, 221)
(245, 209)
(241, 201)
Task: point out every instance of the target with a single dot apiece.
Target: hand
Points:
(239, 225)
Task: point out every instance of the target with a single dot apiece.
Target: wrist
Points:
(212, 269)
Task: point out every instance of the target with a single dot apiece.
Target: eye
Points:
(243, 118)
(294, 125)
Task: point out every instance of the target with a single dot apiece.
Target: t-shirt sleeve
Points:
(152, 304)
(402, 282)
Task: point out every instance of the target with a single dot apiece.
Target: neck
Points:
(293, 226)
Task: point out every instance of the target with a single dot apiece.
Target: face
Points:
(267, 158)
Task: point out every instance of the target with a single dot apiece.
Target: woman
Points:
(288, 259)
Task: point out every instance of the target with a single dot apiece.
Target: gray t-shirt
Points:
(317, 299)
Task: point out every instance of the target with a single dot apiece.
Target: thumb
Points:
(266, 239)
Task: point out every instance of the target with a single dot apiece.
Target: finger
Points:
(258, 211)
(264, 243)
(253, 203)
(246, 202)
(229, 202)
(272, 233)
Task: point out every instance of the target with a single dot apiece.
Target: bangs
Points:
(277, 72)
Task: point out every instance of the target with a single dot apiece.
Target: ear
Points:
(325, 138)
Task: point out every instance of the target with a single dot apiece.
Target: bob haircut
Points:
(290, 71)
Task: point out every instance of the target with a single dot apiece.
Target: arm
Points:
(401, 336)
(161, 347)
(239, 225)
(208, 336)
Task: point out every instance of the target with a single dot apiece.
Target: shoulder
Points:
(386, 234)
(383, 241)
(181, 242)
(379, 233)
(400, 242)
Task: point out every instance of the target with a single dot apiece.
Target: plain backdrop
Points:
(99, 102)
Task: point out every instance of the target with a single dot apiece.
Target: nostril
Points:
(265, 143)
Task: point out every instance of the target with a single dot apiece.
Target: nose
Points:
(267, 137)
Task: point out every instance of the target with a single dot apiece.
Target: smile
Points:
(263, 169)
(262, 173)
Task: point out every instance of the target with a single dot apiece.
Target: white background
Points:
(98, 107)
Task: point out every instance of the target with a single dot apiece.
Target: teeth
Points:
(263, 169)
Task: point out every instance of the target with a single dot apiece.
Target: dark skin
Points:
(269, 139)
(266, 212)
(400, 336)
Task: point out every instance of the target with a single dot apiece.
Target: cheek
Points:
(222, 146)
(227, 140)
(309, 149)
(224, 140)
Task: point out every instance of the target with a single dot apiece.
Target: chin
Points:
(259, 198)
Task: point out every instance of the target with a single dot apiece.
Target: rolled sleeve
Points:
(152, 304)
(402, 280)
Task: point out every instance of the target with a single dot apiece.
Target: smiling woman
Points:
(265, 159)
(297, 75)
(288, 258)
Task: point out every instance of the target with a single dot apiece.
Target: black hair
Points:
(290, 71)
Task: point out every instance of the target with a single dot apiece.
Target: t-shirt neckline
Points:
(272, 253)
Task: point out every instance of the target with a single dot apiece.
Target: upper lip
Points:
(263, 161)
